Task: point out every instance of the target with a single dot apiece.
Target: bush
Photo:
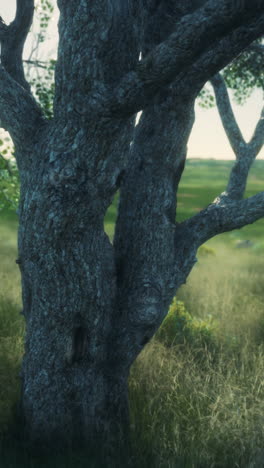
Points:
(180, 328)
(205, 251)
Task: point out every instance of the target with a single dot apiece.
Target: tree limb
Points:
(13, 38)
(229, 211)
(227, 115)
(193, 77)
(247, 154)
(222, 216)
(196, 34)
(37, 63)
(19, 113)
(257, 140)
(230, 124)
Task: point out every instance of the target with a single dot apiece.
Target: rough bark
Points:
(91, 306)
(70, 392)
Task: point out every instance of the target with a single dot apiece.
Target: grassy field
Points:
(197, 402)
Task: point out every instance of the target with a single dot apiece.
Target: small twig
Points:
(37, 63)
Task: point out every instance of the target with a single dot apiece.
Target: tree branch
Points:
(19, 113)
(257, 140)
(215, 59)
(245, 158)
(13, 38)
(222, 216)
(227, 115)
(37, 63)
(229, 211)
(196, 34)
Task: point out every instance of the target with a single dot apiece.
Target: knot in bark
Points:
(147, 304)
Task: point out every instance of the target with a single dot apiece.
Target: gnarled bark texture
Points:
(90, 306)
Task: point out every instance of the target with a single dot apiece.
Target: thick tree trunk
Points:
(90, 308)
(73, 389)
(70, 392)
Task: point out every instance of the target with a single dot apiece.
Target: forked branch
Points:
(19, 113)
(13, 38)
(245, 152)
(227, 115)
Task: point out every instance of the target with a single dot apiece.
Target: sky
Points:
(208, 139)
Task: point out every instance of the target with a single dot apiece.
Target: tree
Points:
(90, 306)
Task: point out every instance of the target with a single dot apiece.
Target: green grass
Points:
(188, 409)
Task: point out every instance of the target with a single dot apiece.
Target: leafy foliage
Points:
(242, 76)
(40, 74)
(206, 97)
(44, 88)
(245, 74)
(44, 11)
(9, 180)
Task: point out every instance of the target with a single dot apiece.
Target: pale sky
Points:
(208, 139)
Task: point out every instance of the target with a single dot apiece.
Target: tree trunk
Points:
(73, 390)
(89, 308)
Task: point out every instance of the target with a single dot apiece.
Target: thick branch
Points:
(13, 38)
(227, 115)
(215, 59)
(19, 113)
(193, 77)
(221, 216)
(99, 42)
(196, 34)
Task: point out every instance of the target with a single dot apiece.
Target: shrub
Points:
(205, 251)
(180, 327)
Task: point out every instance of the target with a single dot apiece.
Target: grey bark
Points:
(91, 306)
